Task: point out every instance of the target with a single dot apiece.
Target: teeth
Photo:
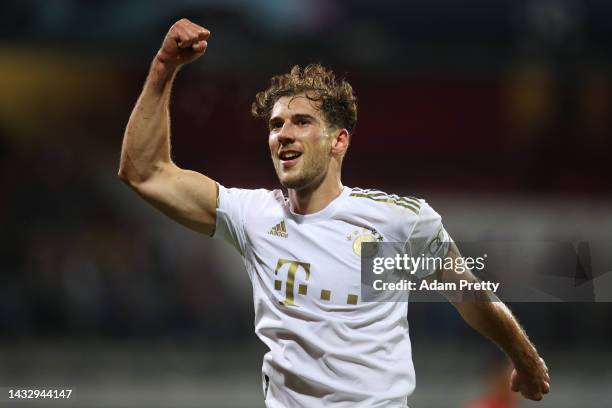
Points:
(289, 156)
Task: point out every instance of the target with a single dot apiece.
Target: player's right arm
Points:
(494, 320)
(146, 166)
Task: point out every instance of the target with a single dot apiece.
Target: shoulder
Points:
(381, 200)
(249, 199)
(249, 193)
(399, 215)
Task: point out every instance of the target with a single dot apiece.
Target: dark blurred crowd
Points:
(524, 111)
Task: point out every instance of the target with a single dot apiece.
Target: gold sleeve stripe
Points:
(377, 193)
(410, 200)
(407, 200)
(386, 199)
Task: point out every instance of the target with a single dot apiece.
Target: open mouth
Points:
(289, 158)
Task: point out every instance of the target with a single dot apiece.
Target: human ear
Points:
(341, 141)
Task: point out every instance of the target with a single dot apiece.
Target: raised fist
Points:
(184, 43)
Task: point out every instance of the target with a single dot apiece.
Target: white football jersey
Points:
(328, 348)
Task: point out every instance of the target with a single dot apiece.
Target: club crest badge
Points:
(362, 235)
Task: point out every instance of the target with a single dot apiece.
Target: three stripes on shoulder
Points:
(411, 203)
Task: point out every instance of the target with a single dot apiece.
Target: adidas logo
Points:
(279, 230)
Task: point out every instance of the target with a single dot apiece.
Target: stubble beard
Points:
(310, 175)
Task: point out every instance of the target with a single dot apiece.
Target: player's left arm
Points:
(493, 319)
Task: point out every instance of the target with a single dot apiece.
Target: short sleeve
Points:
(230, 224)
(428, 240)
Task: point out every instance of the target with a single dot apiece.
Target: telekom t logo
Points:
(290, 283)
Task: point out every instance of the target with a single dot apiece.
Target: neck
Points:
(312, 199)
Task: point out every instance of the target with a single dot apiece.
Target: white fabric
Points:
(327, 353)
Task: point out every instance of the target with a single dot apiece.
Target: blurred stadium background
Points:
(498, 112)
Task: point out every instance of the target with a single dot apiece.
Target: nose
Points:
(285, 135)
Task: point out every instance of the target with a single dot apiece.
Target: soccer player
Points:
(328, 348)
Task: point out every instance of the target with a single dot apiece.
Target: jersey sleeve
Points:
(230, 224)
(428, 240)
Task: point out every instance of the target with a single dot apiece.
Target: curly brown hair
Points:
(335, 96)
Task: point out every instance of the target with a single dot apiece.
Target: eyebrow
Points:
(295, 116)
(303, 116)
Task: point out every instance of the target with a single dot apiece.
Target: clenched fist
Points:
(532, 382)
(184, 43)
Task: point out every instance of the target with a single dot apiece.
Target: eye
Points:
(275, 125)
(303, 122)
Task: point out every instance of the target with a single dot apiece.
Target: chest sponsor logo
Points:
(290, 283)
(279, 230)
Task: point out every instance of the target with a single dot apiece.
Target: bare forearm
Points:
(491, 318)
(494, 320)
(146, 141)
